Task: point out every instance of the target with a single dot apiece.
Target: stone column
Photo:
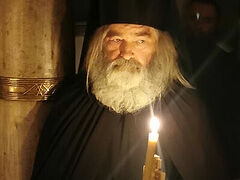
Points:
(36, 51)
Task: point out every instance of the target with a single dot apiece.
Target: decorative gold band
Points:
(27, 89)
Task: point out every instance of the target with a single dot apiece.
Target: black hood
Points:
(160, 14)
(145, 12)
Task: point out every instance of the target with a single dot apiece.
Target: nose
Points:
(126, 50)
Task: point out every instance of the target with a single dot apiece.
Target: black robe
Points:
(83, 139)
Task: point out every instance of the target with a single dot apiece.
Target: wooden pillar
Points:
(36, 51)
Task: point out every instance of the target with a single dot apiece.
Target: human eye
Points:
(140, 41)
(116, 39)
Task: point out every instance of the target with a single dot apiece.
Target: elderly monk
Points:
(129, 66)
(98, 128)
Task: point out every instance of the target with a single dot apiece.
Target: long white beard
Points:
(124, 85)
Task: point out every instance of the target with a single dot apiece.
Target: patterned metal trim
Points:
(27, 89)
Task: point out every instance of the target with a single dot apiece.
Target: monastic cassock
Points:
(84, 140)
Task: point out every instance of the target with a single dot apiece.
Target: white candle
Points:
(154, 125)
(152, 144)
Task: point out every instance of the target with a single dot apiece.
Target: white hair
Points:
(126, 86)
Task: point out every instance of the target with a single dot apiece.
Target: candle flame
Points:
(154, 125)
(153, 137)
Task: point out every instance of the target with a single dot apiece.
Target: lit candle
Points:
(152, 144)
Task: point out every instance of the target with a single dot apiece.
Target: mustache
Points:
(122, 64)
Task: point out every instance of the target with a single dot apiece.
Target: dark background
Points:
(229, 8)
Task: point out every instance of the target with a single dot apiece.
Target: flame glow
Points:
(154, 125)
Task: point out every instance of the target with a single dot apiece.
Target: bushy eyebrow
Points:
(143, 33)
(112, 33)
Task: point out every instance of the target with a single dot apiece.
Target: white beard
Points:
(124, 85)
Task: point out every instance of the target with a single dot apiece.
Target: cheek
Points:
(111, 45)
(144, 55)
(111, 51)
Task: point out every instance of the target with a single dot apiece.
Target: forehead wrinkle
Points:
(143, 33)
(140, 33)
(136, 31)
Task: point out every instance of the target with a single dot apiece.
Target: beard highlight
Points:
(125, 85)
(124, 74)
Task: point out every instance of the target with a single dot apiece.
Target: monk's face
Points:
(130, 65)
(130, 42)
